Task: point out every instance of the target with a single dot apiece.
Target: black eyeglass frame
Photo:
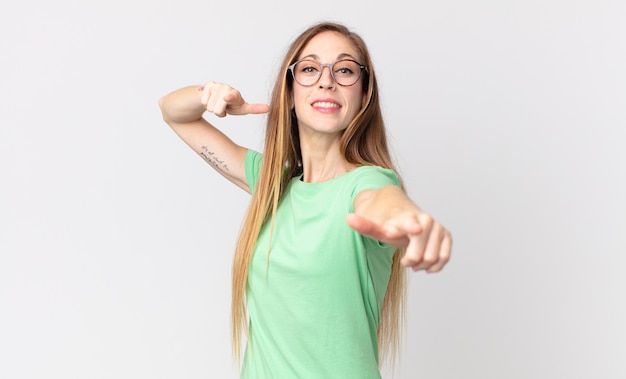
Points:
(330, 66)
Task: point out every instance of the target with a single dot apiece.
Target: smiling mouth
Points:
(325, 104)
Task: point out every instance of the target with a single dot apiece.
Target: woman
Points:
(318, 273)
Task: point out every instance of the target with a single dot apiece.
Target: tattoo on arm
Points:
(212, 159)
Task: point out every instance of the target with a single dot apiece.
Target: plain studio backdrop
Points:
(506, 118)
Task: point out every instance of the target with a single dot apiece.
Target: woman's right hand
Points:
(222, 99)
(183, 111)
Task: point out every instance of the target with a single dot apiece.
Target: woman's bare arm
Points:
(388, 215)
(183, 111)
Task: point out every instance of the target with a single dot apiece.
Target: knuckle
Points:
(430, 260)
(426, 221)
(409, 260)
(445, 256)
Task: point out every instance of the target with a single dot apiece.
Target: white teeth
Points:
(325, 104)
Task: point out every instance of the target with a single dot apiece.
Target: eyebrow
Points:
(317, 58)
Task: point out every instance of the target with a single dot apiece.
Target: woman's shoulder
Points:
(375, 174)
(373, 170)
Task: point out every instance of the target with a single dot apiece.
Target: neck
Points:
(322, 159)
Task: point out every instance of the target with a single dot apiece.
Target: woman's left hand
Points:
(428, 244)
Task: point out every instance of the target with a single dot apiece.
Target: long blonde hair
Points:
(364, 142)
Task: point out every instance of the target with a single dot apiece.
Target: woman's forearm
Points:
(384, 203)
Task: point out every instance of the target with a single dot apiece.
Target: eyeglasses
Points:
(345, 72)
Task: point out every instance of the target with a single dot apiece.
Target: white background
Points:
(507, 119)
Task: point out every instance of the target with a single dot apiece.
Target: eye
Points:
(346, 68)
(308, 67)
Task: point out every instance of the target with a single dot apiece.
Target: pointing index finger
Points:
(258, 108)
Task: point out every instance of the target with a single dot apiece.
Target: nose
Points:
(326, 78)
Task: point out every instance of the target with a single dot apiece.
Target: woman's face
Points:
(327, 107)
